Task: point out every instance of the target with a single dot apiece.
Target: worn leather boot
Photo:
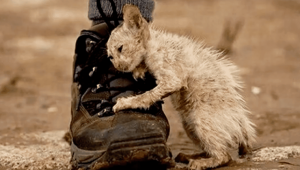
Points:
(102, 139)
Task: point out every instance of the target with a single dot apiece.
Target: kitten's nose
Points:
(110, 57)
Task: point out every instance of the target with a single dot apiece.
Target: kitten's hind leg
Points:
(204, 134)
(199, 160)
(212, 162)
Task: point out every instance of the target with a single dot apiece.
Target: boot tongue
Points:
(119, 87)
(102, 29)
(89, 95)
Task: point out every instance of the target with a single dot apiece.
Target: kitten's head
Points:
(127, 43)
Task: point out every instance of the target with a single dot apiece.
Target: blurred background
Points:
(37, 39)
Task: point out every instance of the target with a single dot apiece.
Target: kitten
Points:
(203, 87)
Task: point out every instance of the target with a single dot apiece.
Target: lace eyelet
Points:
(98, 106)
(99, 86)
(91, 73)
(105, 112)
(94, 90)
(92, 42)
(89, 44)
(77, 71)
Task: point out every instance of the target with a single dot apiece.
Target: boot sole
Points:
(140, 153)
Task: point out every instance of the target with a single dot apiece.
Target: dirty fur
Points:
(203, 87)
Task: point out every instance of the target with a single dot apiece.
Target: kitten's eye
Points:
(120, 48)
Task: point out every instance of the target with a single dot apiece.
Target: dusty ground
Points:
(36, 47)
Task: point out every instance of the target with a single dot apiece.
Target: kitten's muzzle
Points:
(124, 68)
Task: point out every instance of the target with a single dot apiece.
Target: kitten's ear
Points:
(132, 16)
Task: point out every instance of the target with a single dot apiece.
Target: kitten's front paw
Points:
(132, 103)
(138, 74)
(121, 104)
(202, 163)
(195, 164)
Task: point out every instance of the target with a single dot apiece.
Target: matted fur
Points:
(203, 87)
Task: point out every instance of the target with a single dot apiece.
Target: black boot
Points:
(101, 139)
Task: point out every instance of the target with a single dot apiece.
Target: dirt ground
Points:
(37, 40)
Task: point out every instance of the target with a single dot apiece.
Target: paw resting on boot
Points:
(122, 103)
(132, 103)
(138, 74)
(139, 71)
